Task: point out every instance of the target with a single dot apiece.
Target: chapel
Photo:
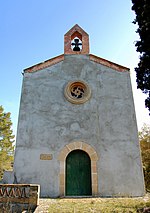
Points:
(77, 132)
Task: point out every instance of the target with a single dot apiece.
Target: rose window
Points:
(77, 92)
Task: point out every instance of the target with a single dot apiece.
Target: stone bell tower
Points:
(72, 38)
(77, 132)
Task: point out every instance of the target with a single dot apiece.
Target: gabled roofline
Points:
(76, 27)
(60, 58)
(107, 63)
(45, 64)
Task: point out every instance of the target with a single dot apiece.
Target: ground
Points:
(94, 205)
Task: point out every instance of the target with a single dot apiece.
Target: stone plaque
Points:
(46, 156)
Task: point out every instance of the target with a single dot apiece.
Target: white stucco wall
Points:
(47, 122)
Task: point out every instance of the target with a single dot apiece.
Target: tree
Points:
(144, 137)
(142, 11)
(6, 142)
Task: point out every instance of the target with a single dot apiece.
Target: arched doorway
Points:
(78, 174)
(78, 145)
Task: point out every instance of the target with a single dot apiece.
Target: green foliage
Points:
(142, 11)
(144, 137)
(6, 142)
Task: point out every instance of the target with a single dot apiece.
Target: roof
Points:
(75, 28)
(60, 58)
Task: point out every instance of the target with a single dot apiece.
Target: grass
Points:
(98, 205)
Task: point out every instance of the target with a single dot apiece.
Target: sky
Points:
(32, 31)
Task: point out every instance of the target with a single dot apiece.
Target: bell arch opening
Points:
(76, 41)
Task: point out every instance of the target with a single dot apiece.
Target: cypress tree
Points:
(142, 11)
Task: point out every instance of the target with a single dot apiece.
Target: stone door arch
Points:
(93, 156)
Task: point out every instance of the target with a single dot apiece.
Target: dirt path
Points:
(43, 205)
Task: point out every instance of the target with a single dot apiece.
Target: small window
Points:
(77, 92)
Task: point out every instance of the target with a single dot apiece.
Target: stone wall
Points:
(48, 122)
(19, 197)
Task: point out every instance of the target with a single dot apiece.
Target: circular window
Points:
(77, 92)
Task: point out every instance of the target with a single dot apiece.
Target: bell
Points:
(76, 48)
(76, 45)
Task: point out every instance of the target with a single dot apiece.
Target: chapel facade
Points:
(77, 133)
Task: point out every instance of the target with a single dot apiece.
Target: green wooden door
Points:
(78, 174)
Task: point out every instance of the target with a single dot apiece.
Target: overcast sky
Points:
(32, 31)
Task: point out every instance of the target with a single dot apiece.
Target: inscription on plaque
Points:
(46, 156)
